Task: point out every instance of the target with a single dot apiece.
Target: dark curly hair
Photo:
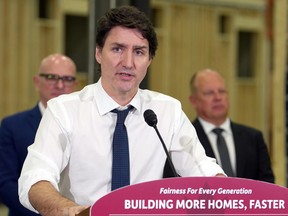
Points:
(129, 17)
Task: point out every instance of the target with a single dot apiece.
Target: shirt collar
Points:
(105, 103)
(208, 127)
(41, 107)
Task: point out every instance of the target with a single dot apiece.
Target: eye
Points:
(208, 93)
(117, 49)
(139, 52)
(52, 77)
(68, 78)
(222, 91)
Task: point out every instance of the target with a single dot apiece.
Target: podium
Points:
(194, 196)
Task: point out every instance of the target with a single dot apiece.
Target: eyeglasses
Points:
(53, 79)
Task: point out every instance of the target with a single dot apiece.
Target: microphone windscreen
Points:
(150, 117)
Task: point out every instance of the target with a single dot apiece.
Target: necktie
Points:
(223, 151)
(120, 163)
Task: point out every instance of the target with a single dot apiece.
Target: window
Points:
(76, 40)
(246, 54)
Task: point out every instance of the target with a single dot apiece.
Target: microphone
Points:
(151, 119)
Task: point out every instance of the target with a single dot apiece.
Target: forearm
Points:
(49, 202)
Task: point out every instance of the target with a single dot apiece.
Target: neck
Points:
(217, 122)
(122, 100)
(121, 97)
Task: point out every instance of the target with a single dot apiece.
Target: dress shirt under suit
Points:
(252, 158)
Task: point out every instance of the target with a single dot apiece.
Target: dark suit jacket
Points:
(252, 158)
(17, 132)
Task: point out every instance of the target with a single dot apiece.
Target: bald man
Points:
(56, 76)
(247, 150)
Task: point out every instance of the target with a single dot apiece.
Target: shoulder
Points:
(149, 96)
(87, 93)
(164, 106)
(245, 129)
(20, 116)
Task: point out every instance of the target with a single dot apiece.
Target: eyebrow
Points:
(134, 47)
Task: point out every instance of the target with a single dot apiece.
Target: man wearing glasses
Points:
(56, 76)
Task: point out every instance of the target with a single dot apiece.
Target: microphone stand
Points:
(166, 151)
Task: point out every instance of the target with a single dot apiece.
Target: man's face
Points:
(49, 87)
(211, 98)
(124, 62)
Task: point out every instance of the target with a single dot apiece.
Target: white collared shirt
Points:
(228, 136)
(41, 107)
(74, 139)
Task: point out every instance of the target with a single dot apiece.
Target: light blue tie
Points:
(120, 163)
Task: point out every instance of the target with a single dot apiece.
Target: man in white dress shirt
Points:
(69, 165)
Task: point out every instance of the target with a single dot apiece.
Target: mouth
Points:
(125, 76)
(56, 94)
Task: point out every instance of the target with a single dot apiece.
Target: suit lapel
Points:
(203, 138)
(34, 117)
(239, 142)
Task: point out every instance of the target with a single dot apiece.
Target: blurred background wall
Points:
(244, 40)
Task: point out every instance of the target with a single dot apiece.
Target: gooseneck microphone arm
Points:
(167, 153)
(151, 119)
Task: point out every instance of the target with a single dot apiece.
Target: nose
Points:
(218, 94)
(60, 84)
(127, 59)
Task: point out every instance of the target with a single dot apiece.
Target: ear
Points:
(150, 60)
(98, 56)
(36, 81)
(193, 99)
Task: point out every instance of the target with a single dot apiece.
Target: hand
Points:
(74, 210)
(220, 175)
